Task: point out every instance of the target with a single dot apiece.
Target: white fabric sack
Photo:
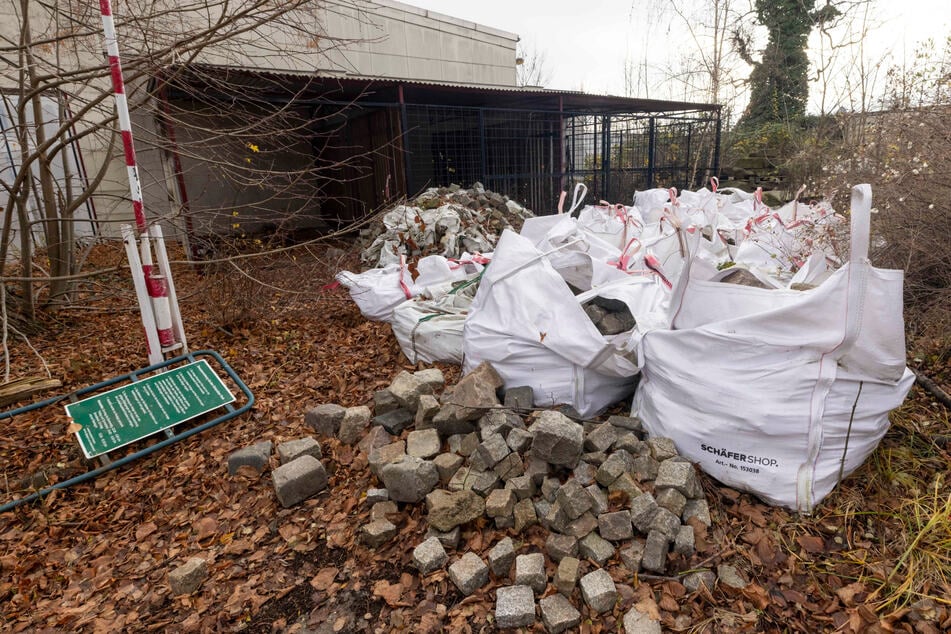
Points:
(780, 392)
(378, 291)
(527, 323)
(431, 330)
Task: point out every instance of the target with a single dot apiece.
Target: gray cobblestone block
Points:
(429, 556)
(637, 622)
(536, 469)
(519, 440)
(593, 546)
(643, 509)
(520, 398)
(446, 465)
(566, 577)
(354, 425)
(325, 419)
(469, 444)
(662, 448)
(423, 443)
(615, 526)
(524, 515)
(188, 577)
(666, 522)
(557, 439)
(629, 423)
(409, 479)
(502, 556)
(514, 607)
(425, 412)
(482, 482)
(257, 456)
(629, 442)
(632, 554)
(489, 452)
(698, 509)
(599, 591)
(509, 467)
(654, 558)
(616, 465)
(395, 421)
(502, 523)
(377, 495)
(730, 576)
(560, 546)
(555, 519)
(582, 526)
(378, 532)
(685, 542)
(530, 571)
(558, 614)
(522, 486)
(386, 454)
(380, 510)
(500, 503)
(550, 488)
(599, 499)
(292, 449)
(627, 485)
(499, 421)
(585, 473)
(574, 500)
(601, 438)
(449, 539)
(674, 474)
(430, 380)
(596, 458)
(542, 507)
(384, 401)
(672, 500)
(298, 480)
(645, 467)
(469, 573)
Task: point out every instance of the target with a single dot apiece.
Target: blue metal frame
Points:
(232, 412)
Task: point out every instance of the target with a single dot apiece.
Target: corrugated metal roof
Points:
(555, 99)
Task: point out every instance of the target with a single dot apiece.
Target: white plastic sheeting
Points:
(780, 392)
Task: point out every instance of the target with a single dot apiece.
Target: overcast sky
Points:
(586, 42)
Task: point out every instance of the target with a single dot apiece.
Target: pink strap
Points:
(714, 183)
(654, 266)
(561, 202)
(406, 291)
(673, 196)
(622, 262)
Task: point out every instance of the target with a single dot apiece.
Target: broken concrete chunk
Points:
(384, 401)
(520, 398)
(188, 577)
(375, 438)
(394, 421)
(425, 411)
(257, 456)
(447, 510)
(405, 388)
(386, 454)
(377, 495)
(325, 419)
(423, 443)
(298, 480)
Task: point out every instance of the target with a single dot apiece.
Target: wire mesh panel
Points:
(443, 145)
(523, 156)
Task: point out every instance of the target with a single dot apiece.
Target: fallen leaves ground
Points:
(95, 558)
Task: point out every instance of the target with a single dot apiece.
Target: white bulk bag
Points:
(527, 323)
(431, 330)
(780, 392)
(378, 291)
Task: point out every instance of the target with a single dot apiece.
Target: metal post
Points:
(404, 135)
(606, 156)
(716, 146)
(484, 176)
(651, 141)
(690, 178)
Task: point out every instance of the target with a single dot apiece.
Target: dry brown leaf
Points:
(324, 578)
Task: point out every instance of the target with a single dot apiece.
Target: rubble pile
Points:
(447, 221)
(606, 501)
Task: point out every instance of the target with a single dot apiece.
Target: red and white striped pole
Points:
(156, 284)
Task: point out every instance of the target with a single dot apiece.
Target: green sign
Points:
(129, 413)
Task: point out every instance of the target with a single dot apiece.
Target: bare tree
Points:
(532, 69)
